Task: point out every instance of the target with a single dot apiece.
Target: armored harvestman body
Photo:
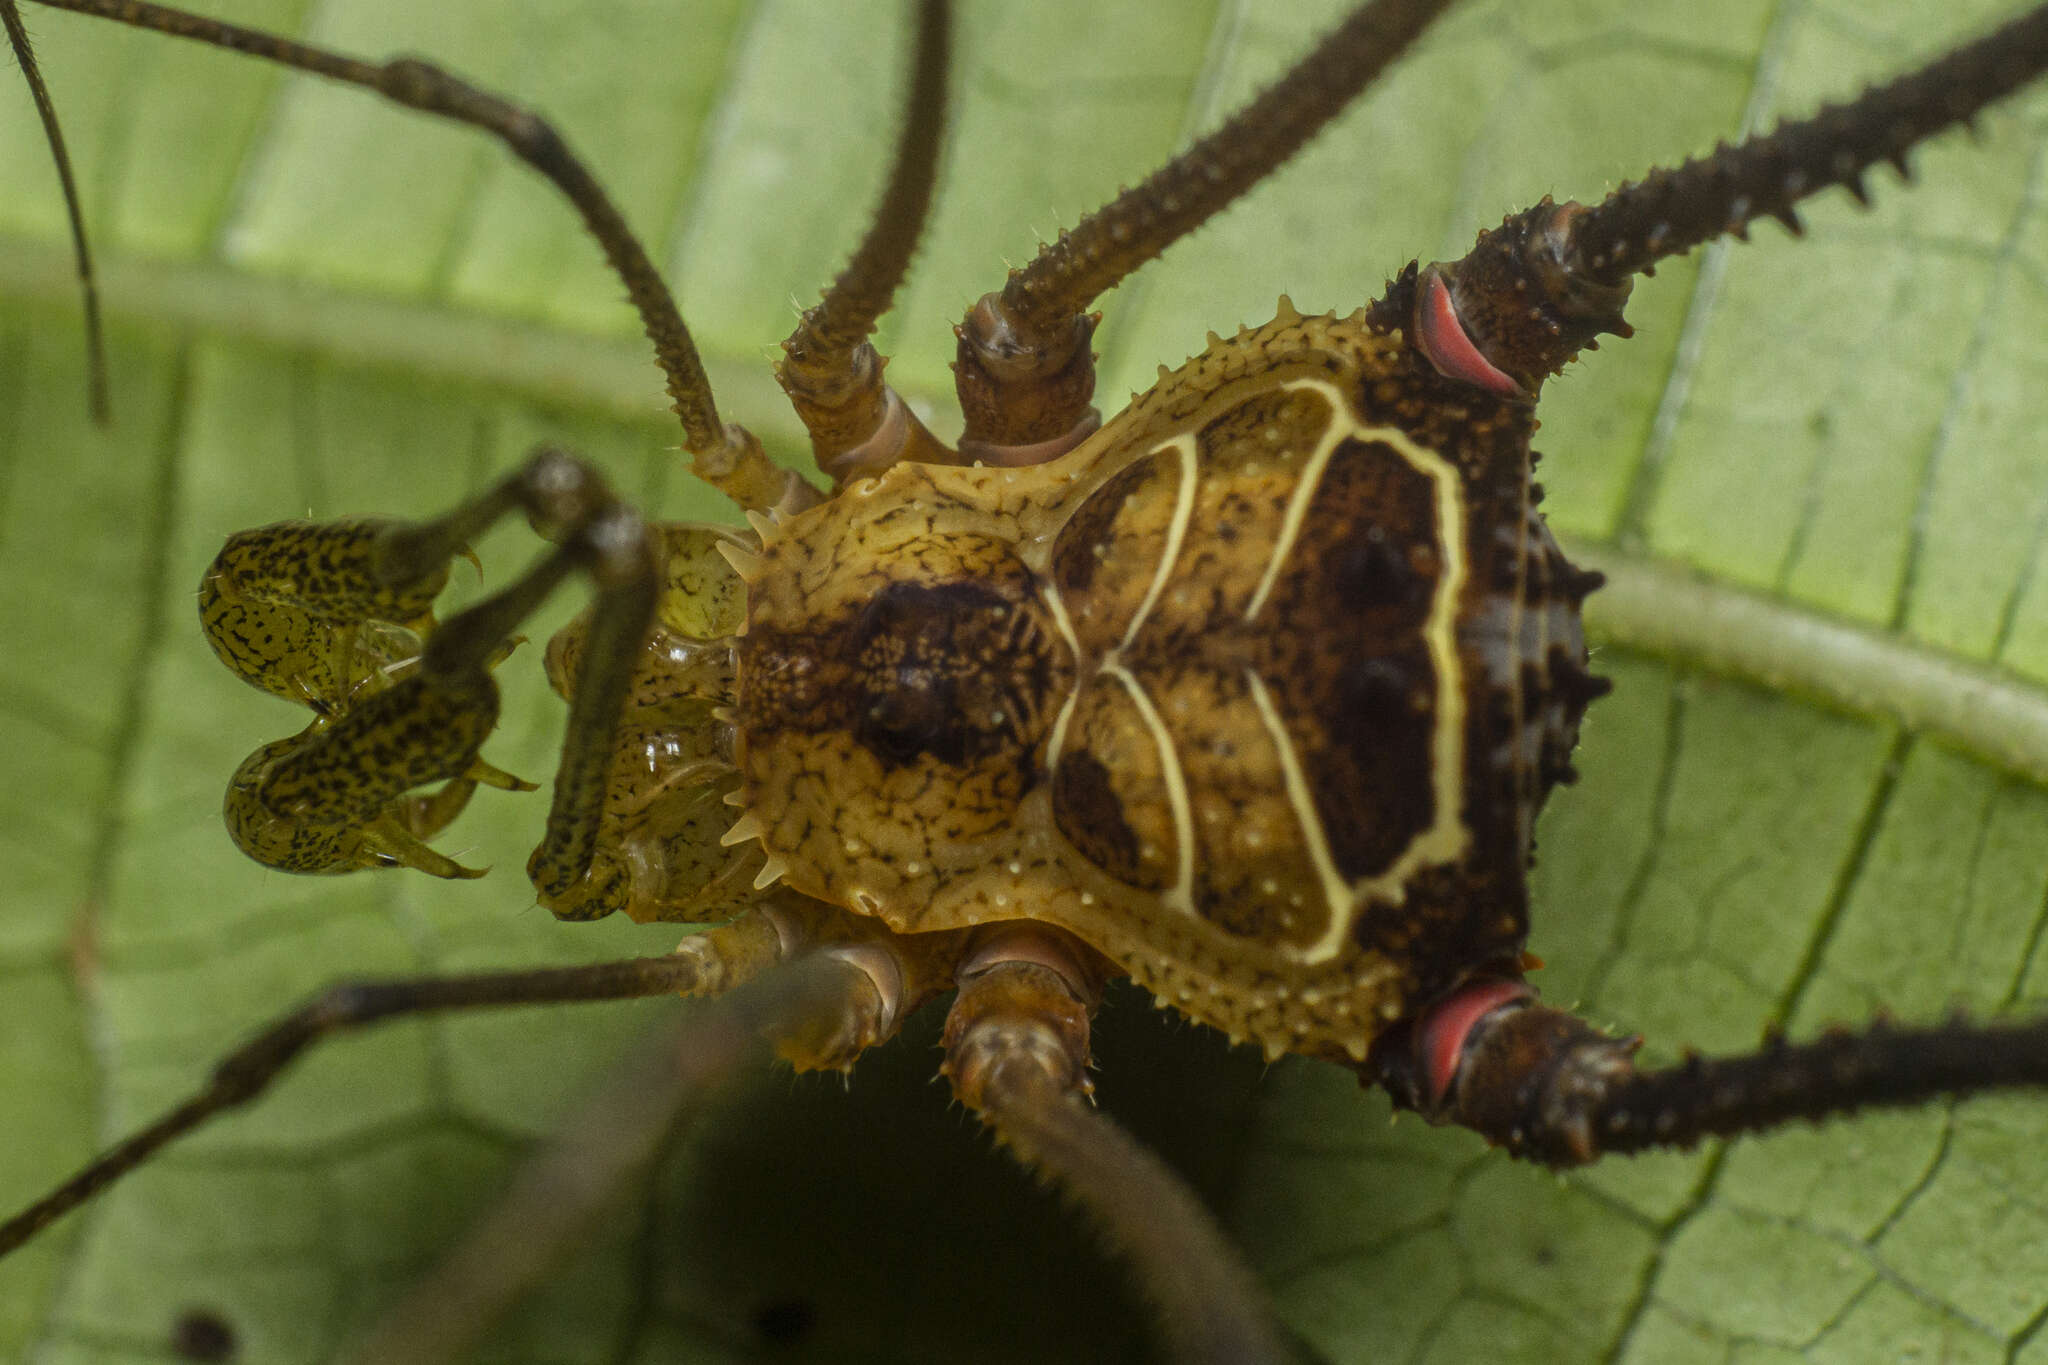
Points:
(1455, 367)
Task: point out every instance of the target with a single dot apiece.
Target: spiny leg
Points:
(1025, 372)
(1668, 213)
(1548, 1086)
(81, 249)
(1017, 1053)
(726, 456)
(1539, 288)
(858, 424)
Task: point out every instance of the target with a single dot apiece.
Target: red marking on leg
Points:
(1444, 340)
(1448, 1023)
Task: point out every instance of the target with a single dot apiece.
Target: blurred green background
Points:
(321, 306)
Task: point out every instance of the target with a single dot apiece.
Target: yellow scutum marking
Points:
(1447, 836)
(1176, 531)
(1336, 892)
(1180, 896)
(1305, 489)
(1057, 743)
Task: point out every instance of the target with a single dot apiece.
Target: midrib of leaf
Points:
(614, 376)
(1664, 610)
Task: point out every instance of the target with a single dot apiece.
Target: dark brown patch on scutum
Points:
(1075, 555)
(954, 672)
(1110, 549)
(1350, 670)
(1378, 570)
(1110, 794)
(913, 654)
(1085, 804)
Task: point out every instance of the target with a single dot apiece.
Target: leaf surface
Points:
(323, 306)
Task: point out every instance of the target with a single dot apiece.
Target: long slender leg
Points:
(1548, 1086)
(1538, 289)
(1025, 373)
(726, 456)
(558, 1197)
(1017, 1054)
(81, 249)
(858, 424)
(706, 964)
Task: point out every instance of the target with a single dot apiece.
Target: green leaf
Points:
(323, 305)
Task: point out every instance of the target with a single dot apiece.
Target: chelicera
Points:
(1061, 711)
